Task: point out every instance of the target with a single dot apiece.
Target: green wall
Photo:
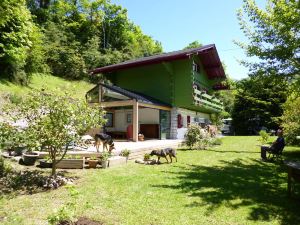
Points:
(169, 82)
(153, 80)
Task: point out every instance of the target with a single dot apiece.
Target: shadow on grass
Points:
(214, 150)
(262, 187)
(22, 182)
(25, 182)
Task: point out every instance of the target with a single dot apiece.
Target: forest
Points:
(66, 38)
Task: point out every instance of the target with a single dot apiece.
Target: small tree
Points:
(53, 121)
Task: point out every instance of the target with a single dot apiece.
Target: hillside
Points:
(76, 88)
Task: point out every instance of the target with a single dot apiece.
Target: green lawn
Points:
(223, 185)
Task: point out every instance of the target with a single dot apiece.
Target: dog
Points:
(212, 130)
(164, 153)
(106, 140)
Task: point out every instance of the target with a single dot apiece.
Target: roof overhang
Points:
(207, 54)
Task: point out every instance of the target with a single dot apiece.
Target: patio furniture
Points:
(117, 134)
(275, 155)
(293, 174)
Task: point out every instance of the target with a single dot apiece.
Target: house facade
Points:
(159, 96)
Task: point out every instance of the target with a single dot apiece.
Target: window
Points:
(110, 119)
(196, 67)
(129, 118)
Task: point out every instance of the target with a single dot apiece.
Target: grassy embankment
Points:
(52, 83)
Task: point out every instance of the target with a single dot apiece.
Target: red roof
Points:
(207, 54)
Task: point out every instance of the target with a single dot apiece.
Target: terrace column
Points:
(135, 122)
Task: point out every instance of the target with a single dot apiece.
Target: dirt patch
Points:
(81, 221)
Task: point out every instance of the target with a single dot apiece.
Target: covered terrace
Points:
(129, 113)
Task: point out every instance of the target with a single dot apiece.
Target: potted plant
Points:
(46, 162)
(29, 158)
(12, 139)
(147, 157)
(125, 153)
(104, 159)
(93, 161)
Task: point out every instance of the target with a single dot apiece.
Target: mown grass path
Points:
(227, 184)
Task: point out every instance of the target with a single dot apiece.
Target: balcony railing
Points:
(208, 101)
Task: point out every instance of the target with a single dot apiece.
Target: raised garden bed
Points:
(70, 164)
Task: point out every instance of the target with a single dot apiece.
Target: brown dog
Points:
(164, 153)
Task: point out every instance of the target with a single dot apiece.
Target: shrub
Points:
(4, 167)
(125, 153)
(264, 136)
(196, 137)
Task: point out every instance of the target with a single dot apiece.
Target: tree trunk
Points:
(53, 172)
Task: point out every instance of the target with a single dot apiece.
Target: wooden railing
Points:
(207, 101)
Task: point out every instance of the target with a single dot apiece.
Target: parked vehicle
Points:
(227, 126)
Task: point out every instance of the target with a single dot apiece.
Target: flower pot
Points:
(45, 164)
(104, 164)
(18, 151)
(29, 158)
(93, 163)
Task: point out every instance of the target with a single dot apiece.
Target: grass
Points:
(227, 184)
(48, 82)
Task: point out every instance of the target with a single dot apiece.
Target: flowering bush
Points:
(196, 137)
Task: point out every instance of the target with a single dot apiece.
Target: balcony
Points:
(207, 101)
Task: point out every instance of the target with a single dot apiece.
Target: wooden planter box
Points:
(70, 164)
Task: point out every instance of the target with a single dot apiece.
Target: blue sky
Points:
(176, 23)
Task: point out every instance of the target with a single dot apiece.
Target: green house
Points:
(160, 95)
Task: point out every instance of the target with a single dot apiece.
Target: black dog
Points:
(164, 153)
(106, 140)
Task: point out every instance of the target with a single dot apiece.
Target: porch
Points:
(129, 113)
(138, 149)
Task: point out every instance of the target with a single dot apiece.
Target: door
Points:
(165, 124)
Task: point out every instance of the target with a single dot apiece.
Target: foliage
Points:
(104, 156)
(82, 35)
(194, 44)
(147, 156)
(125, 152)
(291, 120)
(196, 137)
(66, 212)
(216, 118)
(5, 167)
(258, 103)
(54, 121)
(274, 36)
(18, 41)
(227, 96)
(11, 136)
(264, 137)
